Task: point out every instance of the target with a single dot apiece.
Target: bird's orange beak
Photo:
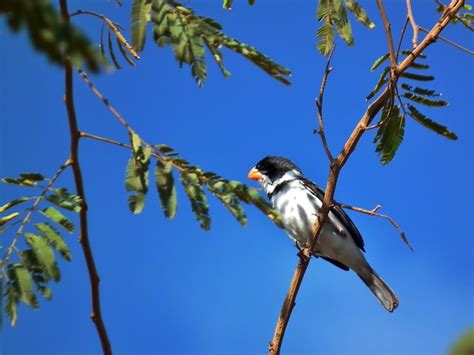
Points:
(255, 174)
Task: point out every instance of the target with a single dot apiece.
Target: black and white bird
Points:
(298, 200)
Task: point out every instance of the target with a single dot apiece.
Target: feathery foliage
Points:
(390, 134)
(189, 35)
(29, 261)
(49, 33)
(195, 182)
(332, 14)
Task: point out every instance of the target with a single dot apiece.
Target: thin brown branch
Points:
(400, 41)
(319, 105)
(338, 164)
(31, 210)
(391, 48)
(414, 26)
(94, 280)
(454, 44)
(373, 212)
(114, 27)
(105, 101)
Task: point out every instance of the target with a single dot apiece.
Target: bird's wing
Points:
(340, 214)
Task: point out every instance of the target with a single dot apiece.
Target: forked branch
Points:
(339, 162)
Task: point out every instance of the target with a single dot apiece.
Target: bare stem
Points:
(96, 315)
(414, 26)
(373, 212)
(105, 101)
(339, 162)
(319, 105)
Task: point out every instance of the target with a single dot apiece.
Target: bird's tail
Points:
(379, 288)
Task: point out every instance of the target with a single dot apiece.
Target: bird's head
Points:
(272, 171)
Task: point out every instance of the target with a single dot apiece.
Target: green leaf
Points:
(223, 191)
(342, 23)
(359, 13)
(53, 237)
(415, 65)
(137, 174)
(390, 135)
(4, 220)
(251, 196)
(20, 181)
(140, 17)
(417, 76)
(379, 61)
(166, 187)
(64, 199)
(380, 83)
(420, 91)
(424, 100)
(32, 176)
(21, 280)
(227, 4)
(325, 35)
(13, 299)
(197, 197)
(430, 124)
(111, 50)
(57, 217)
(44, 255)
(13, 203)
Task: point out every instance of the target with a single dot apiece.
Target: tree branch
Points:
(94, 280)
(319, 105)
(391, 48)
(338, 164)
(373, 212)
(414, 26)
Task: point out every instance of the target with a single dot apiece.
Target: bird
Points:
(298, 201)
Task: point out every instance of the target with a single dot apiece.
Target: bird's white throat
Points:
(270, 186)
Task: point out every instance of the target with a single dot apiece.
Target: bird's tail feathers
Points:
(379, 288)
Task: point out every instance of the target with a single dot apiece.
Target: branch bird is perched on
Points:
(299, 200)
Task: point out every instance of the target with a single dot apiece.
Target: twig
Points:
(101, 97)
(319, 105)
(31, 210)
(414, 40)
(113, 27)
(401, 38)
(454, 44)
(388, 34)
(96, 315)
(373, 212)
(338, 164)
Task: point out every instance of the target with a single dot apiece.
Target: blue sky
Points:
(170, 288)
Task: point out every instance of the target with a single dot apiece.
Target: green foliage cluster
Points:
(332, 15)
(464, 345)
(189, 35)
(194, 181)
(49, 33)
(392, 121)
(28, 265)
